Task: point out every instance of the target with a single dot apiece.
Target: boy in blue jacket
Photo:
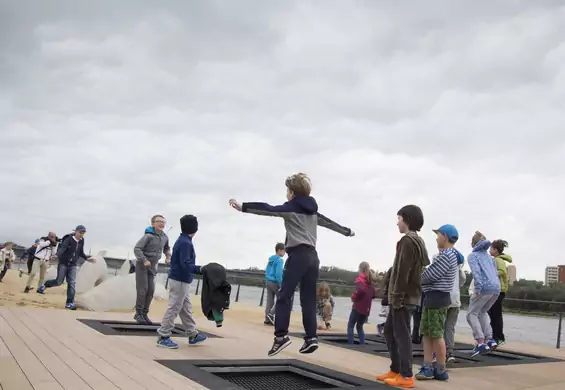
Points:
(273, 281)
(181, 274)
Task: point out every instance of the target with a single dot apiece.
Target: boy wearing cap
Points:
(181, 274)
(437, 283)
(70, 250)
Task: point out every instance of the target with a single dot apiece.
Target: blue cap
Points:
(449, 231)
(80, 228)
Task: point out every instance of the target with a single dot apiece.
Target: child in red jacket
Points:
(362, 299)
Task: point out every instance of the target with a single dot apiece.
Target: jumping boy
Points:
(404, 296)
(181, 274)
(273, 281)
(437, 283)
(301, 219)
(148, 251)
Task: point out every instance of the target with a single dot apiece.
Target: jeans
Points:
(496, 322)
(69, 272)
(398, 340)
(477, 316)
(356, 320)
(302, 266)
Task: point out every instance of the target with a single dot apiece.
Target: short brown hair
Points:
(153, 218)
(279, 247)
(299, 183)
(478, 236)
(8, 243)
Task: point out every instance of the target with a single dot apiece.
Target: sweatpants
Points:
(145, 287)
(38, 266)
(179, 305)
(399, 340)
(302, 266)
(272, 289)
(450, 323)
(356, 320)
(477, 316)
(496, 321)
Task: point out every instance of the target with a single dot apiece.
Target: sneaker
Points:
(41, 289)
(400, 381)
(197, 339)
(434, 360)
(480, 349)
(147, 319)
(309, 346)
(388, 375)
(451, 359)
(166, 342)
(380, 329)
(425, 373)
(492, 345)
(70, 306)
(441, 377)
(278, 345)
(21, 273)
(501, 342)
(328, 326)
(140, 319)
(270, 319)
(27, 289)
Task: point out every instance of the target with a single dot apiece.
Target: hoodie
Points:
(502, 270)
(151, 246)
(274, 270)
(363, 295)
(483, 268)
(405, 279)
(301, 220)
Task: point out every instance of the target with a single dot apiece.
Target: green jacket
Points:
(502, 273)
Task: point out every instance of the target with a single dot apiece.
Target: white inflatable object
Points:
(92, 274)
(116, 293)
(51, 272)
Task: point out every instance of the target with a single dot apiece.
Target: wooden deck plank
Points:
(36, 372)
(81, 367)
(11, 375)
(142, 368)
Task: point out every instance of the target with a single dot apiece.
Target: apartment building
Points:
(554, 274)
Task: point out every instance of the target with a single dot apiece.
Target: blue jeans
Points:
(356, 320)
(68, 272)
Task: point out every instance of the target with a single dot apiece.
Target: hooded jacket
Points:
(274, 270)
(216, 291)
(183, 260)
(45, 249)
(363, 295)
(483, 268)
(502, 269)
(384, 301)
(6, 256)
(69, 251)
(301, 220)
(405, 280)
(151, 246)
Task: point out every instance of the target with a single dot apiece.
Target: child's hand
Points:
(352, 234)
(235, 204)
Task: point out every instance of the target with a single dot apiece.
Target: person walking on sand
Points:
(301, 220)
(44, 252)
(68, 254)
(7, 257)
(273, 281)
(29, 253)
(147, 252)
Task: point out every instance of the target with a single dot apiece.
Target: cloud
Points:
(111, 114)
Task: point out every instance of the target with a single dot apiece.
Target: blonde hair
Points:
(323, 288)
(299, 183)
(371, 275)
(478, 236)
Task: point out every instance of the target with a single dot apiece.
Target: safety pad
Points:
(272, 374)
(376, 345)
(131, 328)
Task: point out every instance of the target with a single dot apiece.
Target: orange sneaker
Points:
(400, 381)
(388, 375)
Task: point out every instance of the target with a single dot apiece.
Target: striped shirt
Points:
(440, 275)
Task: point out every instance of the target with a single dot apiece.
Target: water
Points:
(527, 329)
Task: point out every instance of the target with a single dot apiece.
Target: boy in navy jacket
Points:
(301, 220)
(181, 274)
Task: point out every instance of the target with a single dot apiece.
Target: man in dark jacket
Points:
(70, 250)
(181, 273)
(30, 254)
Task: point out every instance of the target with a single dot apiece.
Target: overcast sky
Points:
(111, 112)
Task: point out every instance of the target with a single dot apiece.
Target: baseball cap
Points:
(449, 231)
(80, 228)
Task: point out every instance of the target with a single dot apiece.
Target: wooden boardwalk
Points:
(47, 349)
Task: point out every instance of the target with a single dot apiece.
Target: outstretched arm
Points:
(260, 208)
(327, 223)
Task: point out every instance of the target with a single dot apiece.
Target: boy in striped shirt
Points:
(437, 282)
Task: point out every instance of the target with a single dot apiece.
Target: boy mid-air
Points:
(301, 220)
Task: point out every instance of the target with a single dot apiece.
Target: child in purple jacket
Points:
(362, 299)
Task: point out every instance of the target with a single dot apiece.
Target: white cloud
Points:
(174, 108)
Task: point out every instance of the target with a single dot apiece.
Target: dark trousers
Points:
(30, 264)
(68, 272)
(4, 270)
(416, 336)
(145, 287)
(356, 320)
(302, 266)
(496, 322)
(398, 340)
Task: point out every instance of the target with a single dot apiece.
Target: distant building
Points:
(511, 270)
(554, 274)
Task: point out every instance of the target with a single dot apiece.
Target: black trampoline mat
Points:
(131, 328)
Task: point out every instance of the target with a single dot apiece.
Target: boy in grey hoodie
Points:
(148, 251)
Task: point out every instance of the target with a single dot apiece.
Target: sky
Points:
(111, 112)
